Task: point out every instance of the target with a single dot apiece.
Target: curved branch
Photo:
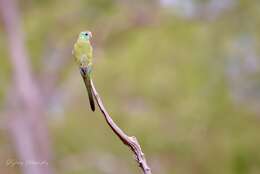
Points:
(130, 141)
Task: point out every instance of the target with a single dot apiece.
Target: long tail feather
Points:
(86, 79)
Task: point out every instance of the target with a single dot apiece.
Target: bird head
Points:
(85, 35)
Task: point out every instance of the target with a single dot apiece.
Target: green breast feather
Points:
(83, 53)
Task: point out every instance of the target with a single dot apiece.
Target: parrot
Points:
(83, 55)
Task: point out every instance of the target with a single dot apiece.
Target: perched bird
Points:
(82, 53)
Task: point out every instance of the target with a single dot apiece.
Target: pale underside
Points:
(83, 53)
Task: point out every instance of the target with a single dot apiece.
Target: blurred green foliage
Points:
(163, 77)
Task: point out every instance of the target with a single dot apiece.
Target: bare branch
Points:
(131, 142)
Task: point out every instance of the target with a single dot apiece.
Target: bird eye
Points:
(86, 34)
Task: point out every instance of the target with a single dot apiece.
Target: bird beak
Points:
(90, 34)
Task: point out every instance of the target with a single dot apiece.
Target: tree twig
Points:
(130, 141)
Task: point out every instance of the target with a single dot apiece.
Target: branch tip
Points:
(130, 141)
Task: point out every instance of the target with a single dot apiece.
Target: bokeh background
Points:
(183, 76)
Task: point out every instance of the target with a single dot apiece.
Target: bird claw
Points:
(86, 70)
(83, 71)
